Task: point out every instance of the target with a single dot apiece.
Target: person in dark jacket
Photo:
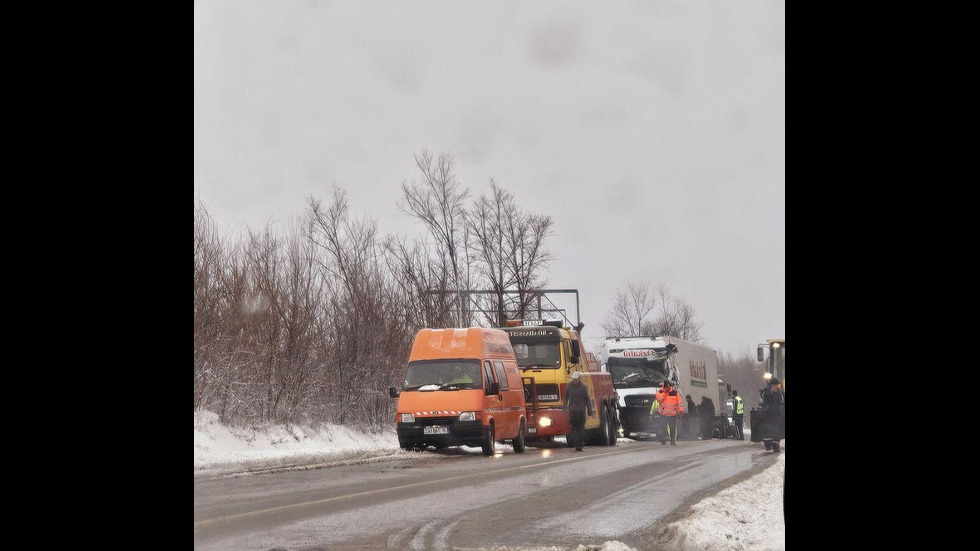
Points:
(577, 403)
(773, 415)
(706, 414)
(691, 428)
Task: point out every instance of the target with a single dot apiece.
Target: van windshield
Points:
(445, 374)
(635, 372)
(541, 354)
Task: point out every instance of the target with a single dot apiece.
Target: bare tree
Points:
(508, 250)
(487, 222)
(428, 297)
(363, 344)
(438, 200)
(529, 259)
(629, 310)
(208, 279)
(292, 300)
(676, 317)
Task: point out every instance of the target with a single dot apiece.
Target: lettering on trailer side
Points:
(699, 374)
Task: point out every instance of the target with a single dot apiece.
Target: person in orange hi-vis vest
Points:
(655, 417)
(671, 408)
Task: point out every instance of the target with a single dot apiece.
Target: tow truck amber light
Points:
(545, 422)
(408, 418)
(467, 416)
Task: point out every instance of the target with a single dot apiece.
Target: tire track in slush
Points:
(420, 541)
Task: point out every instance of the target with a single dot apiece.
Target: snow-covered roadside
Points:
(746, 515)
(223, 450)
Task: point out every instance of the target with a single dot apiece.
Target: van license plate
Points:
(532, 430)
(435, 430)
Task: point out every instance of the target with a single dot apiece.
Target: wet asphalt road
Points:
(458, 499)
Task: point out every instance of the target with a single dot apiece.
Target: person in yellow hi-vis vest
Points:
(737, 419)
(655, 418)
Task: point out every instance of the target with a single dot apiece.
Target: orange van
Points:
(461, 388)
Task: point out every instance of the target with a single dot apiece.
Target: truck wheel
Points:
(489, 444)
(599, 436)
(604, 437)
(519, 440)
(613, 431)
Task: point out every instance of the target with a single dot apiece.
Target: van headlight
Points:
(408, 418)
(467, 416)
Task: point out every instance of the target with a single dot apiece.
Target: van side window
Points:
(488, 371)
(501, 376)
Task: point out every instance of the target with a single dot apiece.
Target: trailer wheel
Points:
(489, 444)
(518, 441)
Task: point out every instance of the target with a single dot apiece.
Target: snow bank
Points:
(222, 449)
(745, 516)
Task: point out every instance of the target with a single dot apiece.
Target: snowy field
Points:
(727, 521)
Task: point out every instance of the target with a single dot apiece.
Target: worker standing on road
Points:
(738, 411)
(577, 402)
(659, 398)
(706, 414)
(656, 421)
(690, 426)
(773, 412)
(670, 409)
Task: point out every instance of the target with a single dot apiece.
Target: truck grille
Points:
(426, 421)
(546, 393)
(638, 400)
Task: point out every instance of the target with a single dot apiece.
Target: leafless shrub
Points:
(313, 323)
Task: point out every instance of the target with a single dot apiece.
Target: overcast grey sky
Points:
(653, 133)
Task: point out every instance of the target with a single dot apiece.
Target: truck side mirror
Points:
(393, 392)
(760, 353)
(576, 351)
